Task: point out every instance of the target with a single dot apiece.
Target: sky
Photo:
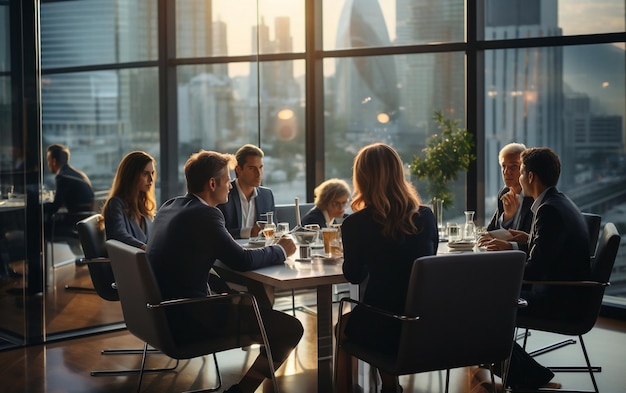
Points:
(575, 17)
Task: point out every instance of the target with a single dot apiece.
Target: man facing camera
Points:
(188, 235)
(247, 200)
(513, 211)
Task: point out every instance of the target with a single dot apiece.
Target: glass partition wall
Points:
(310, 82)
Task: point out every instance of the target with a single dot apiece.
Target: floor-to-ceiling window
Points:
(552, 79)
(173, 77)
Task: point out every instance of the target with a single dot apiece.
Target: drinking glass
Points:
(454, 232)
(261, 224)
(269, 232)
(328, 235)
(282, 228)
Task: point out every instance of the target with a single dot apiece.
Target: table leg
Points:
(324, 338)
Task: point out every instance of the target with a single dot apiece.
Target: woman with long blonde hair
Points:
(131, 204)
(388, 229)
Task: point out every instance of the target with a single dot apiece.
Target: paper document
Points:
(501, 234)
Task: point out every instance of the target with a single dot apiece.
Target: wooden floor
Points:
(65, 366)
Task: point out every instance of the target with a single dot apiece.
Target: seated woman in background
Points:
(331, 199)
(131, 204)
(388, 230)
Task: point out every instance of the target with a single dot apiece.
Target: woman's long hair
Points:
(137, 202)
(379, 184)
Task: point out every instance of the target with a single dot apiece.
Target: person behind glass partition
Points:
(248, 200)
(131, 204)
(188, 235)
(331, 199)
(513, 210)
(389, 229)
(72, 189)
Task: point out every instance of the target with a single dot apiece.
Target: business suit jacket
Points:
(187, 237)
(316, 216)
(386, 265)
(558, 250)
(526, 215)
(73, 190)
(119, 226)
(231, 210)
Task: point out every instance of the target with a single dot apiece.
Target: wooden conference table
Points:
(296, 275)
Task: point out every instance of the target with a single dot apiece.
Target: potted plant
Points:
(446, 154)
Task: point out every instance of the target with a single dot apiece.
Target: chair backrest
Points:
(577, 313)
(137, 288)
(608, 246)
(287, 212)
(92, 239)
(593, 222)
(467, 305)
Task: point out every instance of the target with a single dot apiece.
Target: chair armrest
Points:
(376, 310)
(92, 260)
(190, 300)
(522, 303)
(569, 283)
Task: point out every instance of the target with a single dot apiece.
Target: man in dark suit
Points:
(558, 249)
(73, 190)
(513, 211)
(247, 200)
(188, 235)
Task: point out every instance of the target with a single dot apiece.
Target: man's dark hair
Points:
(202, 166)
(245, 151)
(544, 163)
(60, 153)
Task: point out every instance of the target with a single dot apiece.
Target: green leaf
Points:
(446, 154)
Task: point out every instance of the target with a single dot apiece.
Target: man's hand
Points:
(254, 231)
(518, 236)
(497, 245)
(510, 202)
(287, 244)
(484, 239)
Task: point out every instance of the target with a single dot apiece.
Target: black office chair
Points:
(460, 311)
(147, 314)
(593, 222)
(583, 319)
(93, 241)
(62, 229)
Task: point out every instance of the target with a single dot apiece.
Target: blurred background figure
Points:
(72, 190)
(131, 204)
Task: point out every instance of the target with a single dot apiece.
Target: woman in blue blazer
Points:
(131, 205)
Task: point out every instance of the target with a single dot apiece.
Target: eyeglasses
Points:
(339, 204)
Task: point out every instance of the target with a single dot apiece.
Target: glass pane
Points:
(5, 58)
(507, 19)
(391, 99)
(232, 31)
(571, 99)
(372, 23)
(86, 32)
(218, 111)
(100, 116)
(12, 211)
